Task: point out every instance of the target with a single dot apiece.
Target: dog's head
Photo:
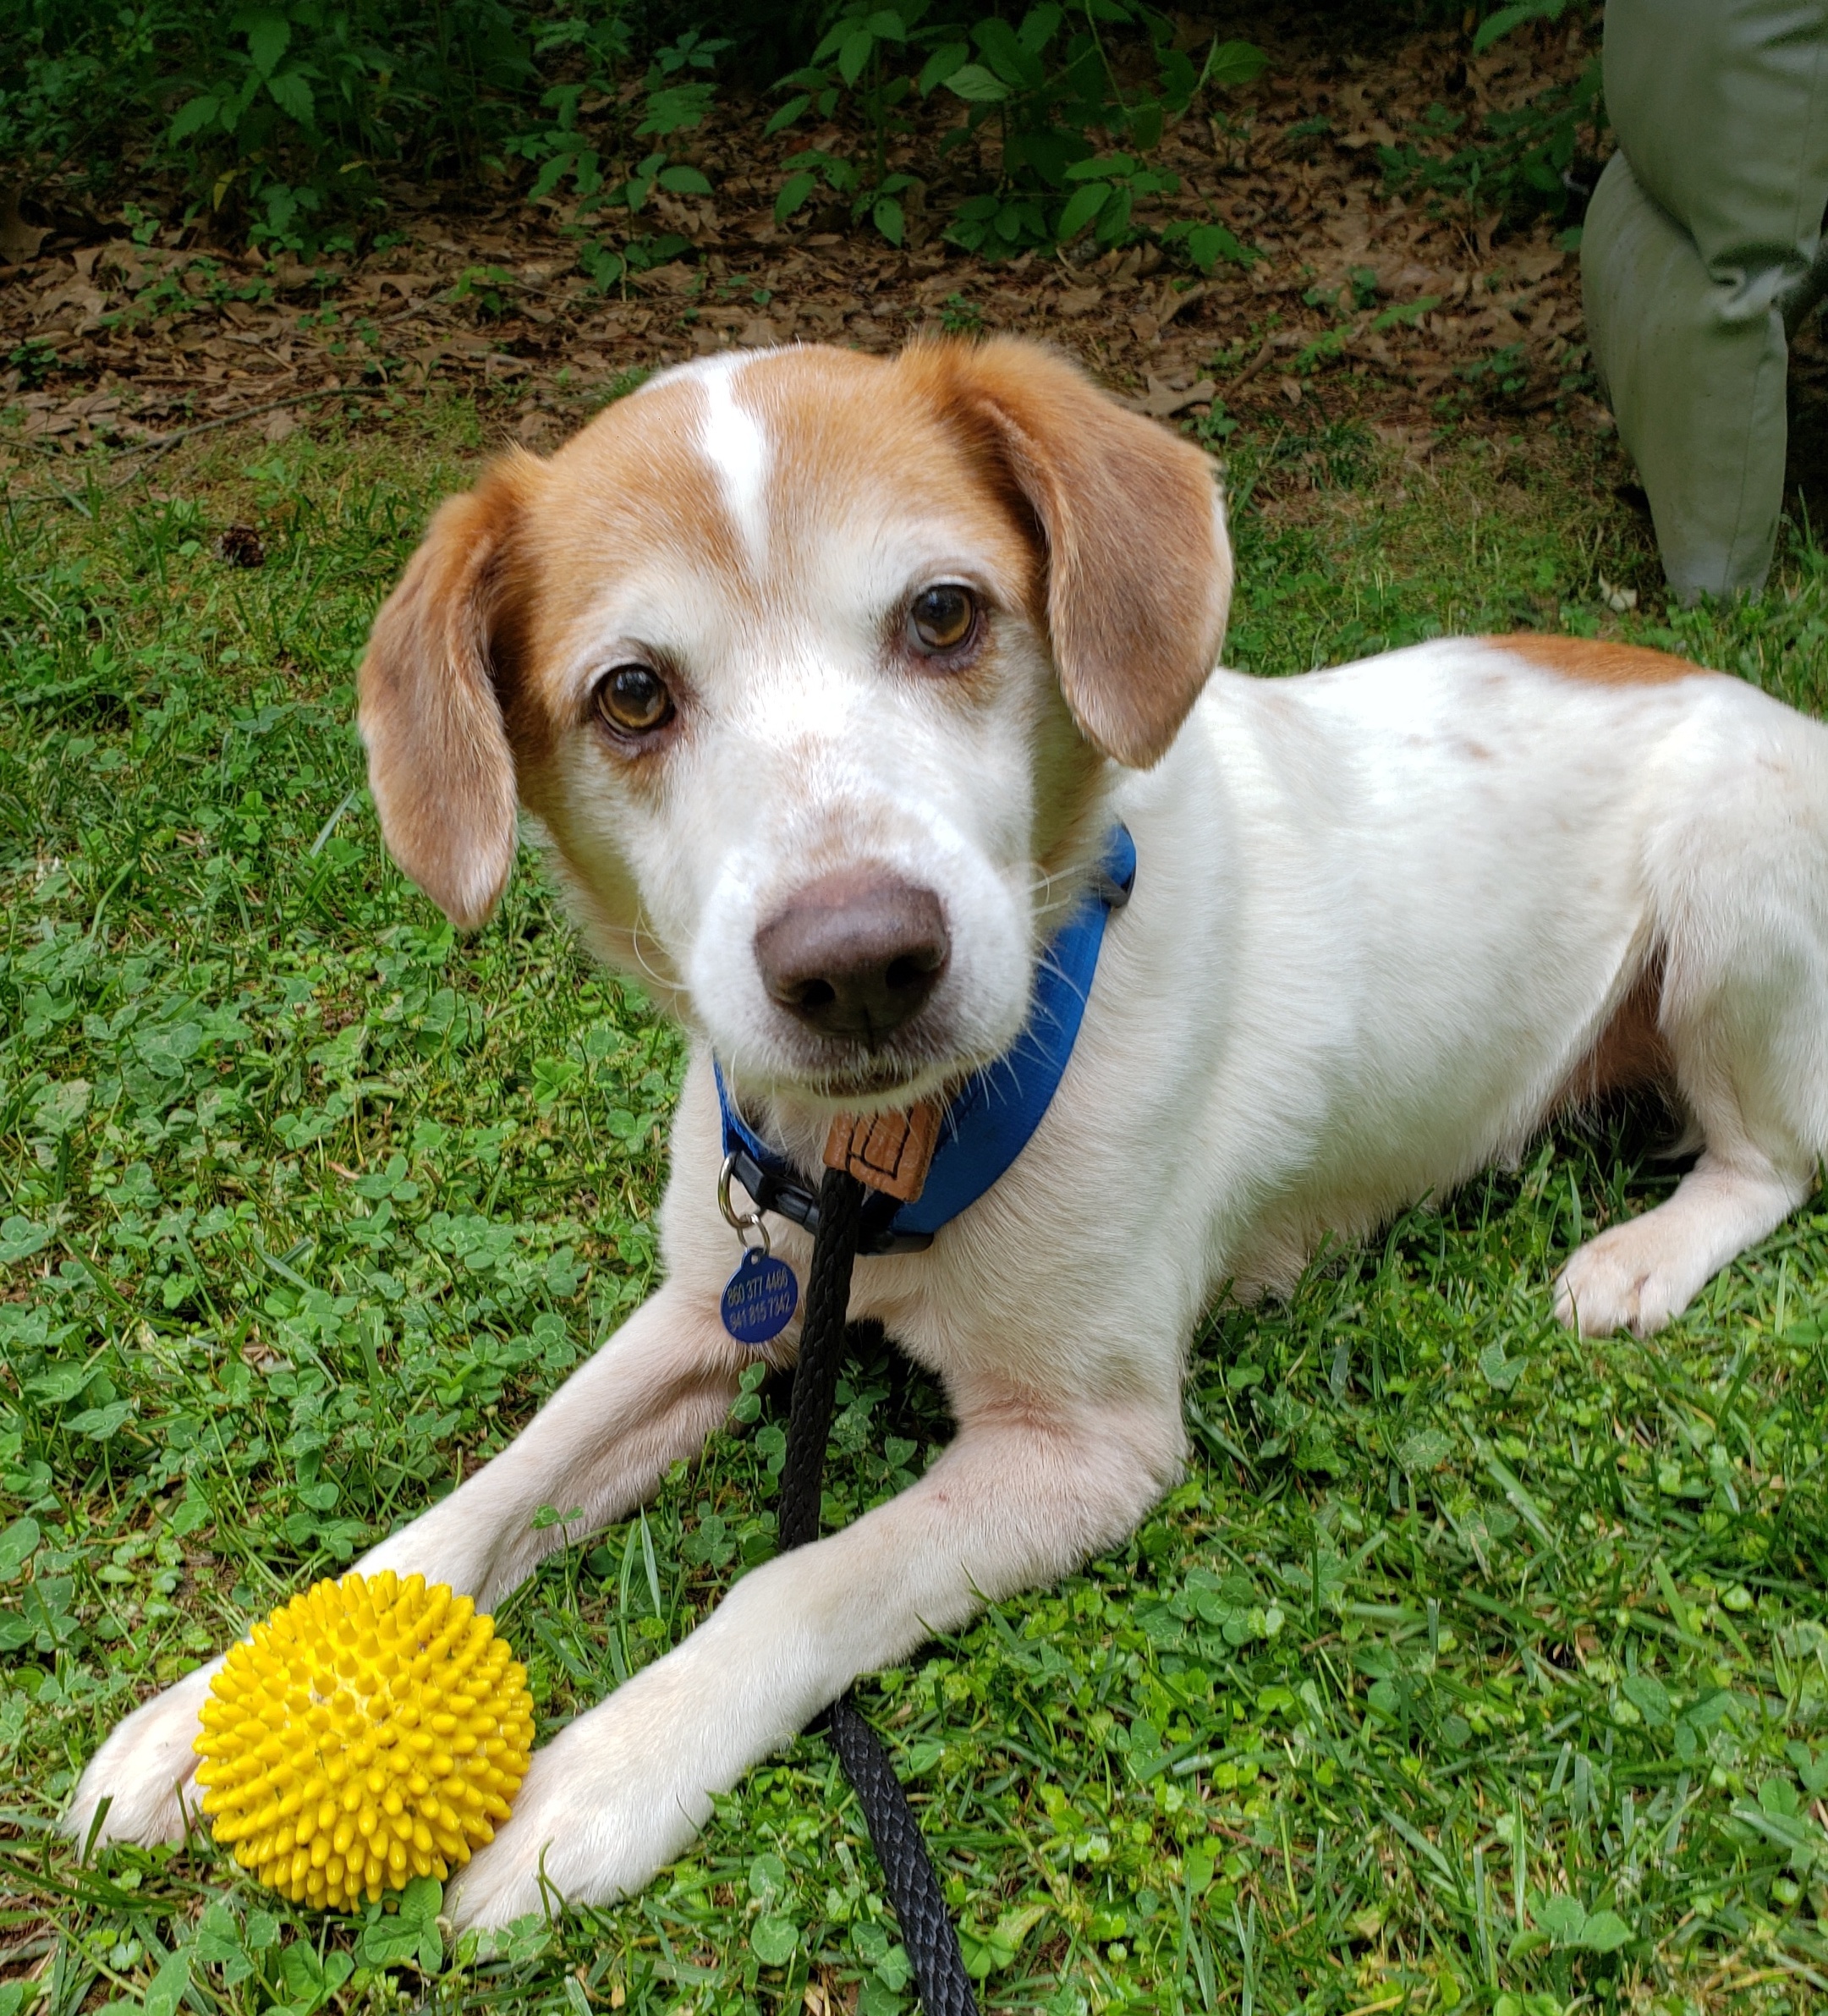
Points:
(810, 665)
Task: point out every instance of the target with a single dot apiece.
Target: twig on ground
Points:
(1256, 365)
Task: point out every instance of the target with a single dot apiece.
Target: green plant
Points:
(880, 199)
(258, 81)
(853, 57)
(483, 285)
(675, 98)
(1044, 116)
(1504, 371)
(997, 224)
(33, 360)
(1214, 428)
(1105, 193)
(609, 266)
(1043, 87)
(142, 225)
(1207, 243)
(280, 122)
(285, 108)
(1498, 25)
(277, 121)
(71, 72)
(961, 317)
(1519, 160)
(674, 101)
(1355, 301)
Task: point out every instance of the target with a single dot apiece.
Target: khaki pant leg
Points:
(1695, 371)
(1703, 232)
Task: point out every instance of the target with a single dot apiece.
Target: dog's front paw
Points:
(146, 1769)
(600, 1812)
(1628, 1278)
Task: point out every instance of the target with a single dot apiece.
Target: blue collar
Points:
(989, 1121)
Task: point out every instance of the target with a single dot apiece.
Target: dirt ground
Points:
(112, 341)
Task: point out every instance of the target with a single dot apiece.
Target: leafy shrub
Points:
(275, 115)
(1520, 160)
(280, 118)
(1038, 90)
(677, 98)
(282, 122)
(67, 69)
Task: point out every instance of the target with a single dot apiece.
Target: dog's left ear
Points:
(1139, 567)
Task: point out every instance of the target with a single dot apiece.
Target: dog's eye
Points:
(633, 700)
(941, 617)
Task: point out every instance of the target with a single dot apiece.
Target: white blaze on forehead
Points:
(731, 440)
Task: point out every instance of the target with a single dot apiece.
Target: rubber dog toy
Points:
(371, 1730)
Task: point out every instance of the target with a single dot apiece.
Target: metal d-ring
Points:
(741, 1222)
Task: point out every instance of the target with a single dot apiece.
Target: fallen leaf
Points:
(1162, 401)
(1537, 263)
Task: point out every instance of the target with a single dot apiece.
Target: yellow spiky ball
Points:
(371, 1730)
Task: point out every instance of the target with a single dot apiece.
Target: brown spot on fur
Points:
(1599, 662)
(1631, 1052)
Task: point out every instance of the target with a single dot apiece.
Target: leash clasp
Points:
(741, 1222)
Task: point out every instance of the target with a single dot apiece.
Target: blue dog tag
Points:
(760, 1299)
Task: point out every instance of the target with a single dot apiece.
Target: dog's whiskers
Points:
(668, 984)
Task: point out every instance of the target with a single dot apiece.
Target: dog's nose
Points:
(855, 953)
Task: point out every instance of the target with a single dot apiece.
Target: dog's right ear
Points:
(439, 763)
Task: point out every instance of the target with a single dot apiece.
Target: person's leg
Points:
(1696, 382)
(1700, 239)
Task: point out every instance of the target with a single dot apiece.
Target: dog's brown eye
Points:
(941, 618)
(634, 700)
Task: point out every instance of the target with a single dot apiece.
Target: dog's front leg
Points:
(654, 1392)
(1028, 1491)
(600, 1445)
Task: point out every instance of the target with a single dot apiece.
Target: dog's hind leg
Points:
(1739, 888)
(1638, 1275)
(651, 1395)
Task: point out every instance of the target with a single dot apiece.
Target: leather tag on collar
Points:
(886, 1151)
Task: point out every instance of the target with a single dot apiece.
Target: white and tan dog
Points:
(826, 676)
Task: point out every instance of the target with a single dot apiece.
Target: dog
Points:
(825, 678)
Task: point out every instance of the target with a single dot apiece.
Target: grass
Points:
(1471, 1666)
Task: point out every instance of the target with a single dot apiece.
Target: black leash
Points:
(913, 1886)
